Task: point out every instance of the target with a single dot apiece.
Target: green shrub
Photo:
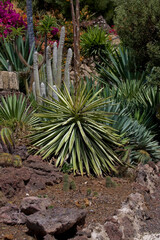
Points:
(138, 25)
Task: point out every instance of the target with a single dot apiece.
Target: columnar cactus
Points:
(49, 72)
(36, 77)
(54, 72)
(67, 72)
(59, 58)
(55, 61)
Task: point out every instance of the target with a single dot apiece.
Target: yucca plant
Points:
(74, 129)
(16, 113)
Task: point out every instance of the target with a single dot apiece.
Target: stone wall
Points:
(8, 81)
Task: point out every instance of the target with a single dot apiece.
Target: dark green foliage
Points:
(67, 168)
(138, 25)
(109, 182)
(98, 7)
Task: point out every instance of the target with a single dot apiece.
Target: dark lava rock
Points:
(30, 205)
(55, 221)
(112, 229)
(10, 214)
(34, 175)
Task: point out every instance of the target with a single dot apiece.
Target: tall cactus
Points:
(67, 72)
(54, 71)
(59, 58)
(49, 71)
(36, 77)
(55, 61)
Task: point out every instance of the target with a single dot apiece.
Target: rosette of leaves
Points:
(16, 113)
(74, 129)
(94, 42)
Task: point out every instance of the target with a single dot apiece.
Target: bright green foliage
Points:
(138, 25)
(94, 42)
(76, 130)
(46, 24)
(16, 113)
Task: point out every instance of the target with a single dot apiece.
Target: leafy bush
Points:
(74, 129)
(9, 18)
(138, 25)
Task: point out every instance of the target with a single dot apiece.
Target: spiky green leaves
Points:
(75, 129)
(14, 112)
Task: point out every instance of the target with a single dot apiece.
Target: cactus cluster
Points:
(67, 184)
(8, 160)
(109, 182)
(53, 70)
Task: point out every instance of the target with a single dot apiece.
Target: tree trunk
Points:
(76, 37)
(30, 23)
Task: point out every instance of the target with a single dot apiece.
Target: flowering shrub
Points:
(9, 18)
(112, 30)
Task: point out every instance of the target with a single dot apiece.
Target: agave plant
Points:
(9, 54)
(16, 113)
(119, 67)
(133, 119)
(74, 129)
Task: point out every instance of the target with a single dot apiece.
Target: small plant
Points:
(95, 194)
(7, 160)
(50, 207)
(6, 139)
(89, 191)
(66, 183)
(72, 185)
(67, 168)
(109, 182)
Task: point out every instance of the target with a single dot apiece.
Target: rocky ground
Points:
(39, 202)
